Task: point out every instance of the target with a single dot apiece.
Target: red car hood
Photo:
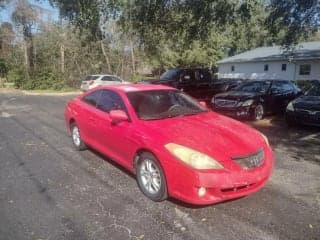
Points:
(210, 133)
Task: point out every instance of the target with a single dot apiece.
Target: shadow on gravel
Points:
(302, 141)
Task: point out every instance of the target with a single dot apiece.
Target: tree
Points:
(299, 19)
(84, 14)
(6, 39)
(25, 17)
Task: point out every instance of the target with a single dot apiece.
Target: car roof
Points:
(135, 87)
(99, 75)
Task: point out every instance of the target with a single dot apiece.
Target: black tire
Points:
(78, 144)
(258, 112)
(151, 180)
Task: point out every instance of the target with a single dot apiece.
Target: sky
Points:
(5, 14)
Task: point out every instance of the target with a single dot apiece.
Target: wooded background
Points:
(130, 37)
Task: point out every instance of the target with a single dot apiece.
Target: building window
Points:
(284, 67)
(266, 67)
(305, 69)
(232, 68)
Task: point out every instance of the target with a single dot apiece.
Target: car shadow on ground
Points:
(302, 141)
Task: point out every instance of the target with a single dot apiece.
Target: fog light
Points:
(201, 191)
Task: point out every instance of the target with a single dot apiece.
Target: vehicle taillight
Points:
(91, 82)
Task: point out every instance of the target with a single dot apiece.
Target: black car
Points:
(254, 99)
(197, 82)
(305, 109)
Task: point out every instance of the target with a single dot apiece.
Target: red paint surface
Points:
(217, 136)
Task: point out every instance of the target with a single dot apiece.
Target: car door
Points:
(114, 138)
(86, 118)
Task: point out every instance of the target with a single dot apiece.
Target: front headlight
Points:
(192, 157)
(290, 107)
(265, 139)
(248, 103)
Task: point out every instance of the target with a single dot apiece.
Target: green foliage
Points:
(17, 76)
(299, 19)
(44, 79)
(121, 36)
(304, 85)
(83, 14)
(3, 68)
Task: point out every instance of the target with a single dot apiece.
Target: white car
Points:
(92, 81)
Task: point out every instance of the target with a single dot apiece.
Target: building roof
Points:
(303, 51)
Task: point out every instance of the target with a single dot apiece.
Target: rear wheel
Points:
(258, 112)
(150, 177)
(76, 137)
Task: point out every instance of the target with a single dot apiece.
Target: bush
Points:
(43, 80)
(3, 68)
(17, 76)
(304, 85)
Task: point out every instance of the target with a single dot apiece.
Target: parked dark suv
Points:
(197, 82)
(254, 99)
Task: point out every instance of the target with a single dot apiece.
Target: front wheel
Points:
(76, 138)
(150, 177)
(258, 112)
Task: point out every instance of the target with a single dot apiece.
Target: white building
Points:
(302, 63)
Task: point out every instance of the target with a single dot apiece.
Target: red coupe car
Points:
(174, 145)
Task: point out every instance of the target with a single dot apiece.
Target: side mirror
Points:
(118, 116)
(203, 104)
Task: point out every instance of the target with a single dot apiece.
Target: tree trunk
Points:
(105, 56)
(30, 54)
(26, 57)
(133, 60)
(62, 57)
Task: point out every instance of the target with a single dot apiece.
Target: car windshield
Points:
(314, 90)
(261, 87)
(169, 74)
(161, 104)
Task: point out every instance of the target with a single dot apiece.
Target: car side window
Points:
(110, 78)
(276, 87)
(202, 75)
(92, 98)
(281, 87)
(287, 86)
(110, 100)
(107, 78)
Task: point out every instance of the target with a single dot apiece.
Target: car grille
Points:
(225, 103)
(307, 115)
(251, 161)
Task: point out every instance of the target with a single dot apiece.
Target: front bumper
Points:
(303, 117)
(235, 112)
(220, 185)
